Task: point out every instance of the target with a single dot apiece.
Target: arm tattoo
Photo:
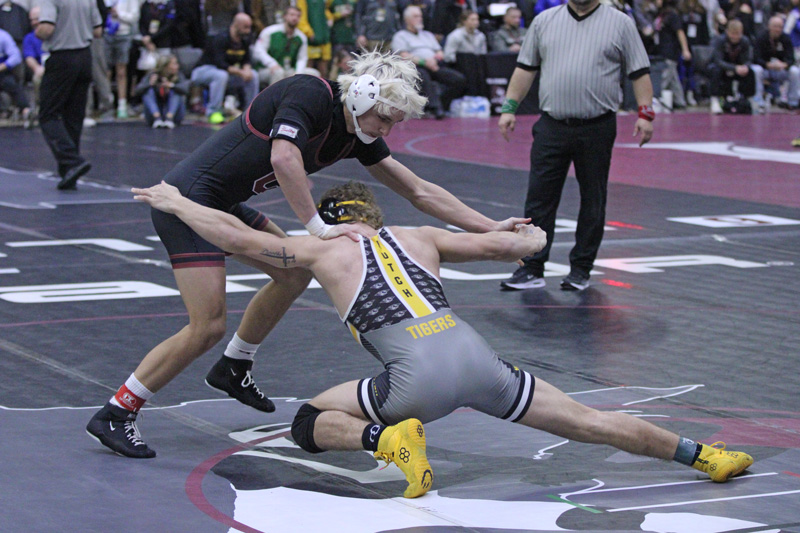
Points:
(287, 259)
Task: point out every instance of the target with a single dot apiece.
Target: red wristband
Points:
(646, 112)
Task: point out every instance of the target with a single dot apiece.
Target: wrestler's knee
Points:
(303, 428)
(293, 279)
(208, 331)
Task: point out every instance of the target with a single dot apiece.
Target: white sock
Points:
(122, 103)
(238, 349)
(133, 385)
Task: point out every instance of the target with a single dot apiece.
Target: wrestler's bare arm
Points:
(435, 200)
(228, 232)
(492, 246)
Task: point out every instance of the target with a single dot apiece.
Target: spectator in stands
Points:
(343, 31)
(376, 23)
(762, 11)
(717, 21)
(775, 55)
(673, 47)
(792, 27)
(123, 17)
(32, 56)
(268, 12)
(732, 61)
(188, 29)
(157, 24)
(425, 5)
(281, 50)
(220, 13)
(422, 48)
(315, 20)
(742, 10)
(467, 38)
(644, 14)
(541, 5)
(163, 94)
(100, 81)
(508, 38)
(225, 65)
(341, 64)
(445, 17)
(10, 57)
(14, 20)
(695, 24)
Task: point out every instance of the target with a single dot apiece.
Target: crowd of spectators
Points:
(162, 58)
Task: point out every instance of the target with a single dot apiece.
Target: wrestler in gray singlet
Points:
(435, 362)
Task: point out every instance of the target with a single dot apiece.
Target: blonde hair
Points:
(402, 90)
(161, 67)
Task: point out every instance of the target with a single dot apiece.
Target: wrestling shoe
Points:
(404, 445)
(575, 282)
(232, 376)
(720, 464)
(115, 428)
(523, 278)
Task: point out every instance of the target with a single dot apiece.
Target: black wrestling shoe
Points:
(115, 428)
(232, 376)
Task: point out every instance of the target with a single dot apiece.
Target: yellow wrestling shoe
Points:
(404, 445)
(720, 464)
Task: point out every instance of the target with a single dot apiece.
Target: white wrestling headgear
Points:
(362, 95)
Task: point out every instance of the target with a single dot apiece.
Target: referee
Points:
(580, 49)
(67, 28)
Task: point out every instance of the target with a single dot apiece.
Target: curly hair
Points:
(403, 94)
(368, 211)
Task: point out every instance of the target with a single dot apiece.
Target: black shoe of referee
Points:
(232, 376)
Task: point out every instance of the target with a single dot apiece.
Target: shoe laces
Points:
(132, 433)
(249, 382)
(383, 456)
(719, 449)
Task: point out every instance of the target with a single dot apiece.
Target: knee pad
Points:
(303, 428)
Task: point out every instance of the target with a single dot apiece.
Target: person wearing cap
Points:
(294, 127)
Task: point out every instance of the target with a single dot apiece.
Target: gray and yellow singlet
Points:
(435, 362)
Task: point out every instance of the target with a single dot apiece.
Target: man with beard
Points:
(580, 49)
(281, 49)
(225, 65)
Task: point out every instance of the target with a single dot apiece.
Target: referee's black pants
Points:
(63, 94)
(556, 144)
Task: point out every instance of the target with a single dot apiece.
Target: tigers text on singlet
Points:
(393, 288)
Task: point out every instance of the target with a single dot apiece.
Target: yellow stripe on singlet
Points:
(396, 276)
(354, 332)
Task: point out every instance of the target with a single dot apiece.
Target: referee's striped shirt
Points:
(580, 58)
